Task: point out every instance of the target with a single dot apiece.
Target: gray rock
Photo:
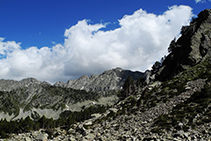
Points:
(114, 110)
(80, 129)
(97, 115)
(28, 139)
(71, 131)
(42, 137)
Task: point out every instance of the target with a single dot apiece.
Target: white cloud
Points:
(202, 1)
(6, 47)
(141, 39)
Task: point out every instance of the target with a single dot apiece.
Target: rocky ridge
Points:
(30, 97)
(109, 80)
(9, 85)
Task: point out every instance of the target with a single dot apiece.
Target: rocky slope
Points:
(174, 105)
(178, 109)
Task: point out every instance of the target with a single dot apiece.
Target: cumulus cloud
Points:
(202, 1)
(141, 39)
(6, 47)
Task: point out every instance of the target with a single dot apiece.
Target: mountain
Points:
(8, 85)
(109, 80)
(30, 97)
(172, 102)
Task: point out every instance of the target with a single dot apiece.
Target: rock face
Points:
(109, 80)
(191, 48)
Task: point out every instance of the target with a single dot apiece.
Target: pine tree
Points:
(172, 45)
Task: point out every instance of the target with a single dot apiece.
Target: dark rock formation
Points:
(193, 46)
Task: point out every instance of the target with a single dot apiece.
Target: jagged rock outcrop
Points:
(109, 80)
(190, 49)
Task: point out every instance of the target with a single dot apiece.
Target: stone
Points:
(71, 131)
(80, 129)
(42, 137)
(88, 123)
(114, 110)
(90, 137)
(71, 138)
(97, 115)
(27, 139)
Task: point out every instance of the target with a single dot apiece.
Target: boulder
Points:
(41, 137)
(80, 129)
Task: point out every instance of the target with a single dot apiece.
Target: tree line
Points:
(65, 120)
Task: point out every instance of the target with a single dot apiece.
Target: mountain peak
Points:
(30, 80)
(118, 69)
(112, 79)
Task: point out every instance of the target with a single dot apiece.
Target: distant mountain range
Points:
(109, 80)
(33, 97)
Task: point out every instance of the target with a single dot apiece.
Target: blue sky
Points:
(56, 40)
(43, 22)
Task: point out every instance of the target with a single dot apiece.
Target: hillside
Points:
(173, 103)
